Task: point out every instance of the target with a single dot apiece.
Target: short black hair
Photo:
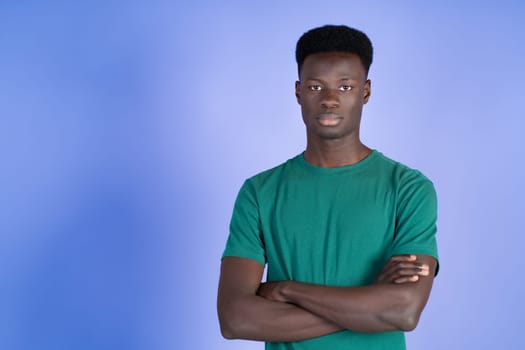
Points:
(332, 38)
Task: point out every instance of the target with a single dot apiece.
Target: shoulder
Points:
(401, 174)
(409, 185)
(273, 176)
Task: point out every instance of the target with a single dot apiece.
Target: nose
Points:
(330, 99)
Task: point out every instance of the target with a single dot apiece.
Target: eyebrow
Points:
(342, 79)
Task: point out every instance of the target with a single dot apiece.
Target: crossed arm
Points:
(292, 311)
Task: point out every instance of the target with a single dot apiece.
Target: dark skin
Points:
(332, 90)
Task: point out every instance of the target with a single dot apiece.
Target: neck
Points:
(335, 153)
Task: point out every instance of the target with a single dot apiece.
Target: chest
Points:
(338, 233)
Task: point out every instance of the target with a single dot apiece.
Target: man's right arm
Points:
(245, 315)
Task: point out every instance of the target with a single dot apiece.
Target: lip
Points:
(328, 119)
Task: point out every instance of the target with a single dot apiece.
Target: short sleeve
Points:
(245, 239)
(416, 216)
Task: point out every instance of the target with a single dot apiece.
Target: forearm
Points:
(253, 317)
(374, 308)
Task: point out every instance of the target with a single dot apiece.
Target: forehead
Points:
(332, 64)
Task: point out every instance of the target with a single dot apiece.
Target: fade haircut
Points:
(332, 38)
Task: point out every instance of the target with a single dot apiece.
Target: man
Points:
(348, 234)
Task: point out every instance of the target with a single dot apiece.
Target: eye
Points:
(314, 87)
(345, 88)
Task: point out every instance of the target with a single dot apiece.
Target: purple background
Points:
(127, 128)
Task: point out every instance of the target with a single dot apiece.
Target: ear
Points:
(367, 91)
(298, 91)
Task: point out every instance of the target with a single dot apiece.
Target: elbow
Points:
(409, 317)
(231, 324)
(406, 316)
(409, 321)
(227, 326)
(227, 332)
(224, 325)
(400, 320)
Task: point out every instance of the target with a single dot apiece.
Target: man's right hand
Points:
(402, 269)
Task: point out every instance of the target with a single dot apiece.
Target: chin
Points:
(330, 135)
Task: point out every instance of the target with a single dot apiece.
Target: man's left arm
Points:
(378, 307)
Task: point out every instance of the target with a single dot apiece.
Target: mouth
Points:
(328, 119)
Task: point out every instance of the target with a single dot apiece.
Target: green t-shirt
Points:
(335, 227)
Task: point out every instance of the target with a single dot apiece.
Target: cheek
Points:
(313, 99)
(354, 101)
(308, 111)
(308, 103)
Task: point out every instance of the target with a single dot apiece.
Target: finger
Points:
(407, 279)
(407, 266)
(398, 262)
(405, 275)
(422, 270)
(398, 259)
(393, 269)
(413, 270)
(403, 257)
(416, 270)
(390, 268)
